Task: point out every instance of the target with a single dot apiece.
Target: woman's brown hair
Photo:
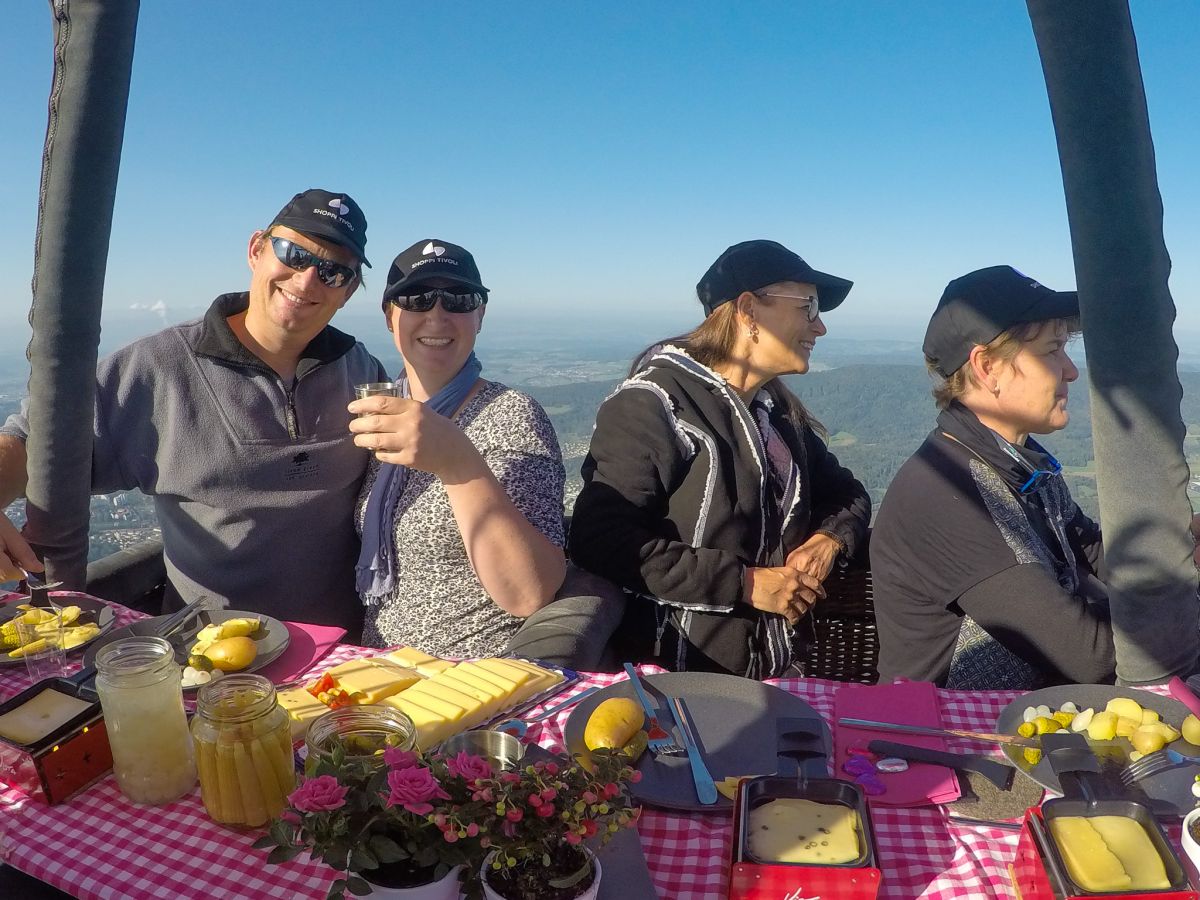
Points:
(711, 344)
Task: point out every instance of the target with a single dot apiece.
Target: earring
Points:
(754, 332)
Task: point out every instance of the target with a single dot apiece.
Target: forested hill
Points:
(876, 416)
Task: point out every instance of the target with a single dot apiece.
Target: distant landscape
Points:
(870, 396)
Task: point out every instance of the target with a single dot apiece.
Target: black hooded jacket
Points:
(676, 504)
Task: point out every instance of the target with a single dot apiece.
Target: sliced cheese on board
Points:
(302, 707)
(374, 679)
(432, 728)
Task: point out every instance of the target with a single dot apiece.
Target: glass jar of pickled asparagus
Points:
(243, 751)
(138, 682)
(359, 735)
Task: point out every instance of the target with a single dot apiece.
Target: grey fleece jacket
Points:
(254, 481)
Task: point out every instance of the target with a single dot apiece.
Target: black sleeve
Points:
(619, 527)
(1026, 610)
(841, 504)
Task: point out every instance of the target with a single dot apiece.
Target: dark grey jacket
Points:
(254, 481)
(676, 504)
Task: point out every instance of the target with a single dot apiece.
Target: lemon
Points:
(1191, 730)
(232, 654)
(611, 724)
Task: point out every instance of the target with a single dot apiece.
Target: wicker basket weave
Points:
(845, 645)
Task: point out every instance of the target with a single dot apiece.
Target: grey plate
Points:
(91, 610)
(735, 721)
(272, 637)
(1168, 793)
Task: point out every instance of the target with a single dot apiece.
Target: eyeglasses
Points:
(812, 310)
(332, 274)
(451, 302)
(1041, 476)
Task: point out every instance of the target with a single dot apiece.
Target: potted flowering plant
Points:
(409, 823)
(540, 817)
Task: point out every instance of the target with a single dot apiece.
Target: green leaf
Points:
(574, 878)
(358, 887)
(264, 842)
(385, 849)
(362, 858)
(336, 890)
(283, 854)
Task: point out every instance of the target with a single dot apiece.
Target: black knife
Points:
(998, 773)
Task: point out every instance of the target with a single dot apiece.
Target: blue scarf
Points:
(375, 573)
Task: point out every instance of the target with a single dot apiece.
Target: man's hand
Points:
(781, 590)
(15, 552)
(815, 556)
(408, 433)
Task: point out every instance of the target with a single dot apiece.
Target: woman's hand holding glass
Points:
(408, 433)
(782, 590)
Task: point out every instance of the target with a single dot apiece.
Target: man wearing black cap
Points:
(236, 424)
(987, 574)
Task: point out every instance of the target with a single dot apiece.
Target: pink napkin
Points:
(908, 703)
(306, 645)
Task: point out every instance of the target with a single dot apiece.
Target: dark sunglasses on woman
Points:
(451, 302)
(332, 274)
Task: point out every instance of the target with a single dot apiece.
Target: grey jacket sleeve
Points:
(1026, 610)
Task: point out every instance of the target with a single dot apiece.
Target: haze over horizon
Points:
(596, 159)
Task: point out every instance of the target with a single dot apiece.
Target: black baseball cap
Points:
(329, 216)
(751, 265)
(981, 305)
(431, 263)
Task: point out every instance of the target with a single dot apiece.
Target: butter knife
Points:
(1015, 740)
(706, 790)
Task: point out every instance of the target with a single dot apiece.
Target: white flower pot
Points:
(591, 893)
(1190, 847)
(445, 888)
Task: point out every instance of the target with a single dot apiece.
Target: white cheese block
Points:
(39, 715)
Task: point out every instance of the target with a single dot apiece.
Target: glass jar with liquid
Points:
(243, 751)
(138, 681)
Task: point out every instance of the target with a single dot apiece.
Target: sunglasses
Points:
(332, 274)
(812, 310)
(1041, 476)
(451, 302)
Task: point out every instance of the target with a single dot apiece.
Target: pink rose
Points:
(395, 758)
(413, 788)
(468, 767)
(321, 794)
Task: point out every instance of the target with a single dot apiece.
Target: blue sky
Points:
(597, 157)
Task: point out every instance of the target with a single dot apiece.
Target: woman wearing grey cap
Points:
(708, 495)
(987, 574)
(461, 511)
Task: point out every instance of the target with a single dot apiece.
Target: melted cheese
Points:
(1090, 863)
(803, 831)
(39, 715)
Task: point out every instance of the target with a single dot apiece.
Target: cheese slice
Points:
(431, 727)
(448, 710)
(1090, 863)
(409, 657)
(1128, 841)
(460, 675)
(488, 698)
(505, 684)
(542, 678)
(521, 680)
(39, 715)
(792, 830)
(302, 707)
(373, 679)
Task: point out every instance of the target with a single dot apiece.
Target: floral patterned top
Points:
(438, 605)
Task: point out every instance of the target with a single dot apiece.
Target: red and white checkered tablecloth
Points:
(101, 846)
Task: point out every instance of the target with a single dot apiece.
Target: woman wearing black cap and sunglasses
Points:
(986, 571)
(461, 511)
(707, 493)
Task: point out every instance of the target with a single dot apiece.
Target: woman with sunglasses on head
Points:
(708, 494)
(461, 511)
(986, 572)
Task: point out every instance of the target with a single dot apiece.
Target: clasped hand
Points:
(408, 433)
(792, 589)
